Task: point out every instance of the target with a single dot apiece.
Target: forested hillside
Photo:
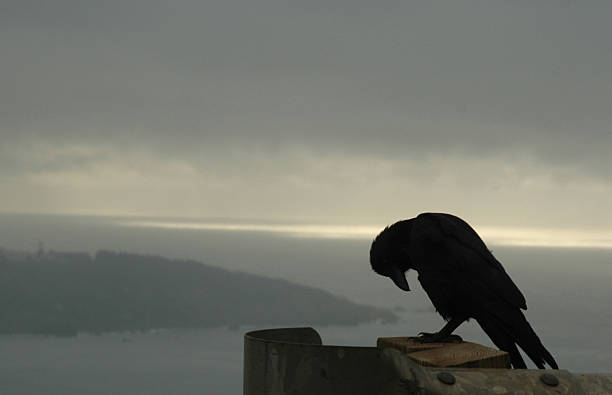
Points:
(66, 293)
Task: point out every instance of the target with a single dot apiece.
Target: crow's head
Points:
(388, 254)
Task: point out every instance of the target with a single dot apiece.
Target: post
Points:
(293, 361)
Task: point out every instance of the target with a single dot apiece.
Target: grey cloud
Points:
(474, 78)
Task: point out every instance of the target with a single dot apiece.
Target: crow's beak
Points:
(399, 278)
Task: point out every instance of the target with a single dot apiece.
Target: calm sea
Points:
(568, 294)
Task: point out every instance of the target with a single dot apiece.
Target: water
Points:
(567, 292)
(165, 362)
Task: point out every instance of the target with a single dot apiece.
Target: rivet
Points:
(446, 378)
(549, 379)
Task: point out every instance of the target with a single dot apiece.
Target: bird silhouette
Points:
(462, 279)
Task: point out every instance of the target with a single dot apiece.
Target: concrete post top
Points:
(294, 361)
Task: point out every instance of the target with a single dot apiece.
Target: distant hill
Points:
(66, 293)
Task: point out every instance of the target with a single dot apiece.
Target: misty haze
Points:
(174, 174)
(153, 359)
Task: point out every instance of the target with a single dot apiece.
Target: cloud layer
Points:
(337, 110)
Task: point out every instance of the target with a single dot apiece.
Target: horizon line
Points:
(495, 235)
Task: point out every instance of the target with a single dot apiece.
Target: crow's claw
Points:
(425, 337)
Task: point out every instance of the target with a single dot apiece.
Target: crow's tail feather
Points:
(502, 339)
(529, 342)
(514, 329)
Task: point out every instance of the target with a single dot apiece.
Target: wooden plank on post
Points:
(463, 354)
(406, 345)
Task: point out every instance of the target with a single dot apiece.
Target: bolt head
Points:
(549, 379)
(446, 378)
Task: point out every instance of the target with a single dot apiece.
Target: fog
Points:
(287, 133)
(567, 292)
(341, 111)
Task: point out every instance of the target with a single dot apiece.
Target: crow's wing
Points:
(448, 241)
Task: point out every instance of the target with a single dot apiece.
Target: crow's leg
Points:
(444, 335)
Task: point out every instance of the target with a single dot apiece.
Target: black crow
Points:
(463, 280)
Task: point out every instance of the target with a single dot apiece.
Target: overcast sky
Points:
(341, 111)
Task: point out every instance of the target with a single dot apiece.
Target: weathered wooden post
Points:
(456, 355)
